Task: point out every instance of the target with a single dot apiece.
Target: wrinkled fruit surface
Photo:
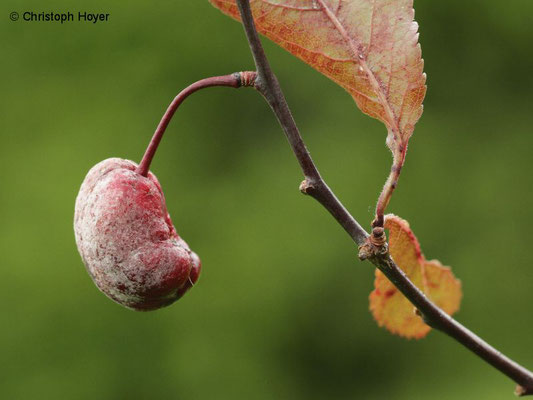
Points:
(126, 238)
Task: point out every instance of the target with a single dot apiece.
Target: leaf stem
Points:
(388, 189)
(315, 186)
(234, 80)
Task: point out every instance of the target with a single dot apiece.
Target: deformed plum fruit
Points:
(127, 240)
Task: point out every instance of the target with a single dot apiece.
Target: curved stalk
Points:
(235, 80)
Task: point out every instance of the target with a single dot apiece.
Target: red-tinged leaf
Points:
(369, 47)
(389, 307)
(442, 287)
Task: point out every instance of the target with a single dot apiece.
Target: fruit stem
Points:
(235, 80)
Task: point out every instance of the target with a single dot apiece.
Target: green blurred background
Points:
(281, 307)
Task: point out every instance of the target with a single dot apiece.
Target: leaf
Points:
(390, 307)
(369, 47)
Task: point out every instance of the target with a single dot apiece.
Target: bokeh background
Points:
(280, 310)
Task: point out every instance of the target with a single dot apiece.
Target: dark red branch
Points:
(315, 186)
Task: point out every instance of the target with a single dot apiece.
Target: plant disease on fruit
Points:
(127, 240)
(123, 230)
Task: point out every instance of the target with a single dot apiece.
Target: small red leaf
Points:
(389, 307)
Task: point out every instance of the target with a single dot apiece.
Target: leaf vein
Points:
(353, 45)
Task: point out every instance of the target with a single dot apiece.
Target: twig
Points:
(315, 186)
(267, 84)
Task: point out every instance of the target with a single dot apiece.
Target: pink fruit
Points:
(126, 238)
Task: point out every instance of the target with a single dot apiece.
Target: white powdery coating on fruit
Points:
(125, 236)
